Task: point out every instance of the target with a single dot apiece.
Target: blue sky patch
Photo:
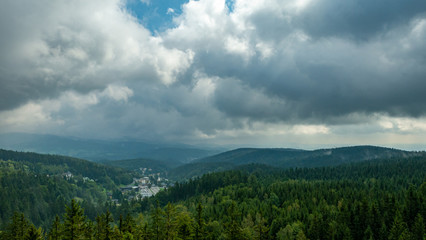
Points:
(155, 15)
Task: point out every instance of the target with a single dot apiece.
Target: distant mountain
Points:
(287, 158)
(97, 150)
(303, 158)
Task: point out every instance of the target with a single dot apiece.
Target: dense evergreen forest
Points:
(40, 185)
(383, 199)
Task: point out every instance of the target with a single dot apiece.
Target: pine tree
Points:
(199, 223)
(128, 224)
(104, 230)
(108, 220)
(55, 230)
(412, 206)
(33, 233)
(74, 222)
(419, 228)
(170, 221)
(157, 222)
(368, 234)
(232, 227)
(17, 229)
(184, 226)
(399, 228)
(260, 228)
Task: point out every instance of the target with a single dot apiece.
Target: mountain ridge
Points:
(288, 158)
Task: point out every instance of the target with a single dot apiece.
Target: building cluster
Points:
(144, 187)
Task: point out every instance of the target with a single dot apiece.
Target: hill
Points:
(39, 185)
(303, 158)
(287, 158)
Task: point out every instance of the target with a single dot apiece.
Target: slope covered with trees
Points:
(282, 157)
(286, 158)
(370, 200)
(39, 185)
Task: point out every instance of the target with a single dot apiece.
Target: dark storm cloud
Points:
(329, 60)
(357, 19)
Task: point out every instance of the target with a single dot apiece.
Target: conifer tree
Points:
(74, 222)
(260, 227)
(55, 230)
(17, 229)
(33, 233)
(104, 230)
(419, 228)
(184, 225)
(170, 221)
(157, 222)
(128, 224)
(399, 228)
(232, 227)
(199, 223)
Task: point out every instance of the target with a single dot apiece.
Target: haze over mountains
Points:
(102, 150)
(182, 162)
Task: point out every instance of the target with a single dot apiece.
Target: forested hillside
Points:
(282, 157)
(40, 185)
(286, 158)
(371, 200)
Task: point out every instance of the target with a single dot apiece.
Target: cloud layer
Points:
(248, 72)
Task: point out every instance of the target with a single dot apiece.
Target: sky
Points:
(268, 73)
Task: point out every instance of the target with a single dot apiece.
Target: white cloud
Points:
(310, 129)
(118, 93)
(170, 11)
(30, 117)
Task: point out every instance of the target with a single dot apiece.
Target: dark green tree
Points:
(75, 225)
(17, 229)
(55, 232)
(170, 221)
(157, 222)
(199, 223)
(184, 225)
(260, 228)
(103, 227)
(34, 234)
(232, 226)
(419, 228)
(399, 228)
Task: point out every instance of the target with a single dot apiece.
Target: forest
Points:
(381, 199)
(40, 185)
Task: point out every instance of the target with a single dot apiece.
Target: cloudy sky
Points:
(278, 73)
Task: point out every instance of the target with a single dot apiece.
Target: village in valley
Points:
(148, 185)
